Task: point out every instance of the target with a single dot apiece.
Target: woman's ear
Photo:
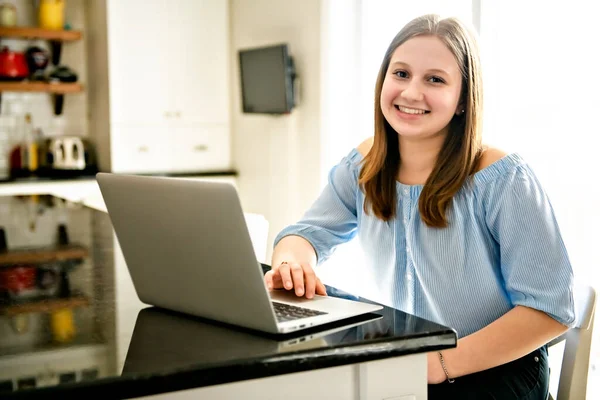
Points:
(460, 110)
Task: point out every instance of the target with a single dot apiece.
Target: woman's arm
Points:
(536, 274)
(298, 270)
(294, 248)
(330, 221)
(514, 335)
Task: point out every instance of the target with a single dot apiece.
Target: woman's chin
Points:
(412, 132)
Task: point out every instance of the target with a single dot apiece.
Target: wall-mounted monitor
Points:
(267, 80)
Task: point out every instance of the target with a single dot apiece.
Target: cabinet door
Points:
(140, 149)
(138, 60)
(200, 68)
(200, 147)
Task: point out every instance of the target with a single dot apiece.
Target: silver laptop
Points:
(187, 248)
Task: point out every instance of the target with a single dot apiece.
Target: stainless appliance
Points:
(67, 153)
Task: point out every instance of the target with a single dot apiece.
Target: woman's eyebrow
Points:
(433, 70)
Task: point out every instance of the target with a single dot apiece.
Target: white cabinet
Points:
(138, 60)
(201, 64)
(159, 85)
(168, 60)
(139, 149)
(397, 378)
(200, 146)
(173, 147)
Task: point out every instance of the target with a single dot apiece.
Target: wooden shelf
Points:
(43, 306)
(22, 32)
(41, 87)
(42, 255)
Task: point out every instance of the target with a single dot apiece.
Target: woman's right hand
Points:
(298, 276)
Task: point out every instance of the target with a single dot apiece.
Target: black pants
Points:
(524, 379)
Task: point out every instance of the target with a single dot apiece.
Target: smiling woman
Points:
(445, 222)
(523, 80)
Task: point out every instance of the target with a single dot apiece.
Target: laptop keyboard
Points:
(286, 312)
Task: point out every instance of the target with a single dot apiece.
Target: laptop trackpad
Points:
(289, 296)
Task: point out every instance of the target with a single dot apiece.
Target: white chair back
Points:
(572, 384)
(258, 226)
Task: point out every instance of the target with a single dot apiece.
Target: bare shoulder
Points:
(365, 146)
(490, 155)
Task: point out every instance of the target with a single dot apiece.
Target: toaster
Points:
(67, 153)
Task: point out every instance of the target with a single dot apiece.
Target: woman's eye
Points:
(401, 74)
(436, 79)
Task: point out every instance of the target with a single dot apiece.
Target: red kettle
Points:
(13, 65)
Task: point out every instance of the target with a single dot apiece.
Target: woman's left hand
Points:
(435, 373)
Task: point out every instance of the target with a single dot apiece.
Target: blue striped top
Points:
(502, 246)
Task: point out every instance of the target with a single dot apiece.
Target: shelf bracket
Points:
(59, 100)
(3, 243)
(56, 46)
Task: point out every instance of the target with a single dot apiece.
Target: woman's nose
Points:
(412, 91)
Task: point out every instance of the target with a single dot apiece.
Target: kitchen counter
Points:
(84, 190)
(170, 352)
(25, 187)
(52, 185)
(132, 350)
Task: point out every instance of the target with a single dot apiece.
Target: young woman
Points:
(454, 232)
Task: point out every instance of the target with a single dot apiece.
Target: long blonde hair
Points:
(460, 154)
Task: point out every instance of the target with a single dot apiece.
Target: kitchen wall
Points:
(278, 157)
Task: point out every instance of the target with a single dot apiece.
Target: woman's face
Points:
(421, 90)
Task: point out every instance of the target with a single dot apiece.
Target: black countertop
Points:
(151, 351)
